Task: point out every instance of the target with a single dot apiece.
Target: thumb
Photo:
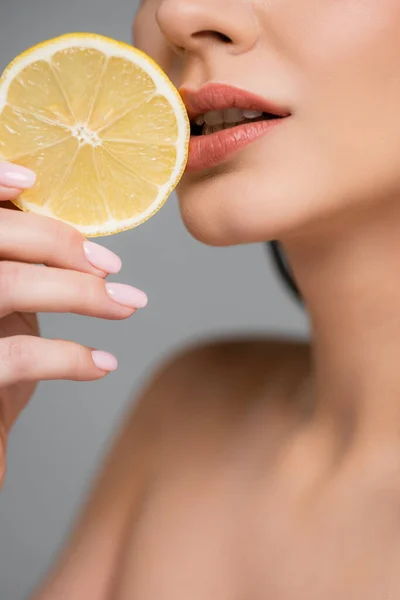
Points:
(14, 179)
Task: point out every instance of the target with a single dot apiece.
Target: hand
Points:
(73, 280)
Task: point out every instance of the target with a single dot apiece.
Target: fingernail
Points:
(104, 361)
(126, 295)
(15, 176)
(102, 258)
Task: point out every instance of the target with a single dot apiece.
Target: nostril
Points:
(214, 34)
(224, 38)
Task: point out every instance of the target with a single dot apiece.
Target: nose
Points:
(193, 25)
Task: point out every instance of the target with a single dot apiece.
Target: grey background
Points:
(195, 293)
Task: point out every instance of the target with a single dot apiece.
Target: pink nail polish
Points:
(126, 295)
(104, 361)
(102, 258)
(15, 176)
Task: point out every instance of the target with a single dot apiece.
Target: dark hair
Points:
(283, 269)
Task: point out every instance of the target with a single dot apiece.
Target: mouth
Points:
(223, 120)
(219, 120)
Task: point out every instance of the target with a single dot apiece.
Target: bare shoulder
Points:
(217, 376)
(230, 361)
(193, 408)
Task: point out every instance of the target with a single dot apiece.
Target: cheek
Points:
(350, 97)
(312, 32)
(354, 27)
(339, 43)
(353, 45)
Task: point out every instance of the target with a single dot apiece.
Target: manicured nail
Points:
(104, 361)
(126, 295)
(15, 176)
(102, 258)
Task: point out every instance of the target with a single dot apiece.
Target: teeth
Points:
(208, 129)
(214, 117)
(218, 127)
(252, 114)
(217, 120)
(230, 115)
(233, 115)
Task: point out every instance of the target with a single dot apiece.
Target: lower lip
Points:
(207, 151)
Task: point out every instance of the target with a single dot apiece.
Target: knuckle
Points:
(81, 359)
(17, 356)
(76, 359)
(91, 292)
(68, 239)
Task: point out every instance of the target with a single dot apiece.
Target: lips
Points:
(207, 151)
(221, 97)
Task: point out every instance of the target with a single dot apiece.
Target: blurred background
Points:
(195, 293)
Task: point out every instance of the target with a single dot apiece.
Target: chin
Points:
(232, 206)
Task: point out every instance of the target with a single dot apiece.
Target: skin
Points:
(276, 475)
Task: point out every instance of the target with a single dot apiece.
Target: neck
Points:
(349, 276)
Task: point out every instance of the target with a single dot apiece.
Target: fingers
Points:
(32, 288)
(30, 238)
(41, 240)
(14, 179)
(72, 281)
(29, 358)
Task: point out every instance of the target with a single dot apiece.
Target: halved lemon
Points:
(103, 127)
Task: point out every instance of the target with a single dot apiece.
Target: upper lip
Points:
(213, 96)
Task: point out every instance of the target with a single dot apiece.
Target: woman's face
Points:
(333, 64)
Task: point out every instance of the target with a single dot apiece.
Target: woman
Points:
(250, 469)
